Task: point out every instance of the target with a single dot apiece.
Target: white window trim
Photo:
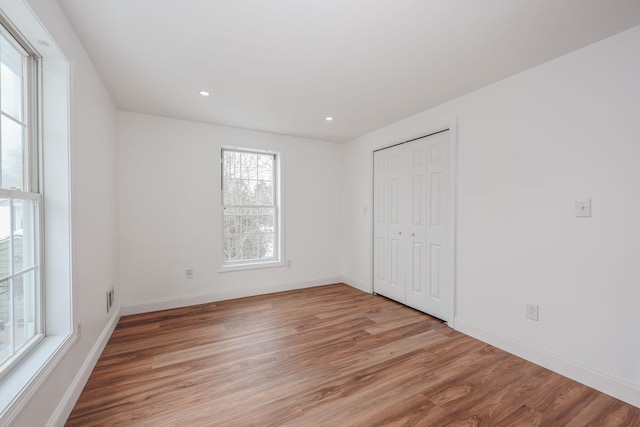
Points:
(31, 119)
(23, 381)
(280, 207)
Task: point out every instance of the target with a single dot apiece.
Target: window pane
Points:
(249, 165)
(249, 233)
(266, 246)
(239, 247)
(249, 246)
(264, 223)
(18, 292)
(230, 191)
(264, 193)
(24, 234)
(24, 307)
(5, 322)
(12, 154)
(11, 71)
(19, 239)
(248, 178)
(265, 167)
(232, 223)
(5, 238)
(248, 192)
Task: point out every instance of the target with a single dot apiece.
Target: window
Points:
(250, 204)
(20, 204)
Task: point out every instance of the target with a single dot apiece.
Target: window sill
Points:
(21, 382)
(250, 266)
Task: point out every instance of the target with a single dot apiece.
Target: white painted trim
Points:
(228, 268)
(47, 355)
(68, 400)
(279, 180)
(453, 215)
(355, 284)
(207, 297)
(598, 380)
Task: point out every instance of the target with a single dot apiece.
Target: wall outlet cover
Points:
(532, 312)
(583, 208)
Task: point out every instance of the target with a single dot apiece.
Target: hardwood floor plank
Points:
(323, 356)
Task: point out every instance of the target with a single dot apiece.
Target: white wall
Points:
(528, 147)
(93, 157)
(170, 213)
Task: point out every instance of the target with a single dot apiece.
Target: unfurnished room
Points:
(306, 213)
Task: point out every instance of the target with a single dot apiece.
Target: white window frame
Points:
(278, 258)
(31, 121)
(59, 311)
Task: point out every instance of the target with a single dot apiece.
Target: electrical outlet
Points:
(289, 263)
(189, 273)
(110, 299)
(532, 312)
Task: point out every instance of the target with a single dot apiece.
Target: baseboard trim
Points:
(600, 381)
(68, 400)
(356, 284)
(207, 297)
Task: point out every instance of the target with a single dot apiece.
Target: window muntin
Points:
(250, 207)
(20, 205)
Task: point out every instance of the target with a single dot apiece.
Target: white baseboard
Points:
(68, 400)
(357, 285)
(207, 297)
(583, 374)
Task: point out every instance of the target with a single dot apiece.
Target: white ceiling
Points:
(283, 65)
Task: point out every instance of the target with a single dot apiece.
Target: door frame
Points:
(450, 125)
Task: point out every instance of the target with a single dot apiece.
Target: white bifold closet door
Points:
(412, 235)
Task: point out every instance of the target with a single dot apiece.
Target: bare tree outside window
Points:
(249, 201)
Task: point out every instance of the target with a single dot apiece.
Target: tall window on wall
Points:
(251, 208)
(20, 307)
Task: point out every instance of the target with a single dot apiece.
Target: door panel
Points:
(417, 252)
(381, 223)
(388, 246)
(416, 204)
(434, 269)
(439, 300)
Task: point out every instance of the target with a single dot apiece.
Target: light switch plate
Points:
(583, 208)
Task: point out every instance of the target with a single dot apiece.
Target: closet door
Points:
(412, 234)
(389, 269)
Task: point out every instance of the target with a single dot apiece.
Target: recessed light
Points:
(328, 118)
(204, 93)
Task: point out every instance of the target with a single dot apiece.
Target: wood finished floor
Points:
(325, 356)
